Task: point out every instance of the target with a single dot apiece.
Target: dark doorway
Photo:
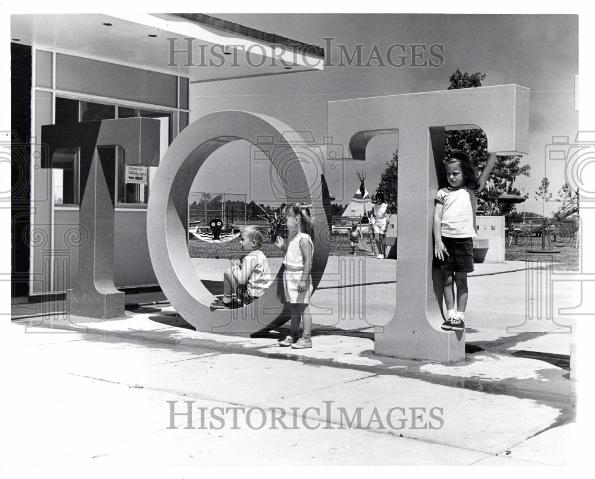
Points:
(20, 82)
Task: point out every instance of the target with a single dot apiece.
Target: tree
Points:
(460, 80)
(275, 218)
(337, 209)
(474, 143)
(543, 192)
(388, 185)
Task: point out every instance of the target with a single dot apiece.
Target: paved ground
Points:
(104, 385)
(509, 302)
(100, 403)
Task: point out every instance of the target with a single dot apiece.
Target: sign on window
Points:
(137, 174)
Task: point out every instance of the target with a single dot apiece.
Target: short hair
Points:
(254, 235)
(379, 197)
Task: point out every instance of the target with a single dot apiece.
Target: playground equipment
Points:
(553, 231)
(166, 216)
(229, 208)
(420, 120)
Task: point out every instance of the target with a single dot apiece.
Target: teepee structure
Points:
(361, 203)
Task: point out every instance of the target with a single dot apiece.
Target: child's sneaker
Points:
(288, 341)
(447, 324)
(302, 343)
(457, 324)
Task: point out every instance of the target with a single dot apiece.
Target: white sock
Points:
(461, 315)
(450, 313)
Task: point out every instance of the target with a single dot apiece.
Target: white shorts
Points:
(379, 227)
(292, 295)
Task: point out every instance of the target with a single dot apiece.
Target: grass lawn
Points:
(566, 258)
(338, 245)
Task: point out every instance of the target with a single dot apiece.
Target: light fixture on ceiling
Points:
(152, 35)
(15, 39)
(287, 68)
(107, 24)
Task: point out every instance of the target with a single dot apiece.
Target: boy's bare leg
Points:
(449, 293)
(462, 291)
(230, 285)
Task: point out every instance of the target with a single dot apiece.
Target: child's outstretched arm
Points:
(306, 250)
(439, 248)
(487, 171)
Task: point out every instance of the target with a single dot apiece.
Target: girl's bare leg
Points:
(449, 293)
(381, 247)
(379, 243)
(306, 320)
(462, 291)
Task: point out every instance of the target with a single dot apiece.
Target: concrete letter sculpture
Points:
(166, 218)
(420, 120)
(94, 293)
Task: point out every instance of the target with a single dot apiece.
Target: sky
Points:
(537, 51)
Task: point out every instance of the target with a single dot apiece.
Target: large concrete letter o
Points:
(166, 216)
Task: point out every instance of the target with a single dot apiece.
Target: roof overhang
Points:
(198, 46)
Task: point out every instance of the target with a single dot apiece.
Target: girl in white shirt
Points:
(454, 230)
(296, 277)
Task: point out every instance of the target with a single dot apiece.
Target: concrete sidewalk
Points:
(508, 302)
(506, 348)
(110, 395)
(512, 309)
(514, 383)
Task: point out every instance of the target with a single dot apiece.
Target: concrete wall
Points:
(492, 228)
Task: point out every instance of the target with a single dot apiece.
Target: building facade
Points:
(104, 67)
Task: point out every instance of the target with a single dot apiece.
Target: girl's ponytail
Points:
(303, 211)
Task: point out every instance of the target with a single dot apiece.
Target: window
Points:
(67, 111)
(132, 183)
(183, 120)
(97, 111)
(125, 112)
(65, 176)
